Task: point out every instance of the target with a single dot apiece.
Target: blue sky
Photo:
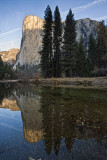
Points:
(12, 13)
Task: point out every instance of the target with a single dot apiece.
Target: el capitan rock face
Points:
(31, 42)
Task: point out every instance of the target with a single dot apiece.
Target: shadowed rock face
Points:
(84, 27)
(32, 38)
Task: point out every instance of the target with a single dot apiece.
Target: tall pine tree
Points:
(82, 64)
(46, 52)
(92, 51)
(68, 49)
(57, 35)
(105, 57)
(100, 53)
(1, 68)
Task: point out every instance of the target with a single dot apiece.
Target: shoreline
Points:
(76, 81)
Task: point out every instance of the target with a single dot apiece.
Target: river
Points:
(52, 123)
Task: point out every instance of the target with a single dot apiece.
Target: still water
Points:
(52, 123)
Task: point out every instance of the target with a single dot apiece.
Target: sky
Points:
(13, 12)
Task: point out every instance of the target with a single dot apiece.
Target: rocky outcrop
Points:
(32, 37)
(9, 56)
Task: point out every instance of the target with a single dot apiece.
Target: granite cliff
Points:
(31, 42)
(32, 37)
(84, 27)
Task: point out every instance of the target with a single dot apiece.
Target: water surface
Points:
(52, 123)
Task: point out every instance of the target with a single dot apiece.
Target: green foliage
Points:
(101, 48)
(46, 53)
(92, 51)
(1, 68)
(100, 52)
(57, 37)
(6, 71)
(68, 49)
(82, 64)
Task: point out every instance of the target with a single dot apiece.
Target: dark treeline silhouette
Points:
(63, 56)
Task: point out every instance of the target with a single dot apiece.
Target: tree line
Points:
(63, 56)
(6, 71)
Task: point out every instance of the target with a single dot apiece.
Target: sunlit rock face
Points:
(29, 103)
(9, 103)
(31, 43)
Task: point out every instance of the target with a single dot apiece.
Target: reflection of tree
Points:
(56, 122)
(5, 90)
(69, 127)
(46, 110)
(66, 116)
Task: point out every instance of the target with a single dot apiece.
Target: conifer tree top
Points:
(48, 13)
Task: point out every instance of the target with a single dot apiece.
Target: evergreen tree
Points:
(105, 57)
(46, 52)
(106, 37)
(1, 68)
(57, 33)
(100, 52)
(6, 71)
(82, 64)
(92, 51)
(68, 49)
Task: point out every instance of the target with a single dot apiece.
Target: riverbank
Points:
(95, 81)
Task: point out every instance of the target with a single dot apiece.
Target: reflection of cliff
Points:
(9, 103)
(68, 115)
(29, 103)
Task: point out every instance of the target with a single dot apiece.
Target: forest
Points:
(63, 56)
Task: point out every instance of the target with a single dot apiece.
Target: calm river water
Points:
(52, 123)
